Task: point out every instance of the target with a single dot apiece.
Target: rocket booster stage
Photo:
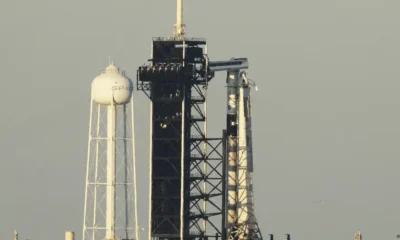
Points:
(241, 221)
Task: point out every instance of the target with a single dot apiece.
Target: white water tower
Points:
(110, 210)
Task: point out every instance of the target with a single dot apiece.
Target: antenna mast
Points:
(179, 27)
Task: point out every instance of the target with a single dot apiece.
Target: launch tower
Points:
(185, 165)
(196, 190)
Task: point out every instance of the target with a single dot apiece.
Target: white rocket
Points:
(245, 207)
(241, 221)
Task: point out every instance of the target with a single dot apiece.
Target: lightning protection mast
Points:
(110, 210)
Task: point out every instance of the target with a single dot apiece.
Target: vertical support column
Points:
(183, 148)
(224, 182)
(110, 212)
(205, 160)
(205, 143)
(151, 171)
(90, 138)
(150, 203)
(134, 169)
(96, 169)
(184, 117)
(232, 88)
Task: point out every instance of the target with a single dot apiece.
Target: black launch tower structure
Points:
(187, 173)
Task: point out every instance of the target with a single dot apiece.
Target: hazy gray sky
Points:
(326, 118)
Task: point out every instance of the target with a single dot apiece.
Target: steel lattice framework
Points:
(187, 168)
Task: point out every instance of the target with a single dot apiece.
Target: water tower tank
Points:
(112, 86)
